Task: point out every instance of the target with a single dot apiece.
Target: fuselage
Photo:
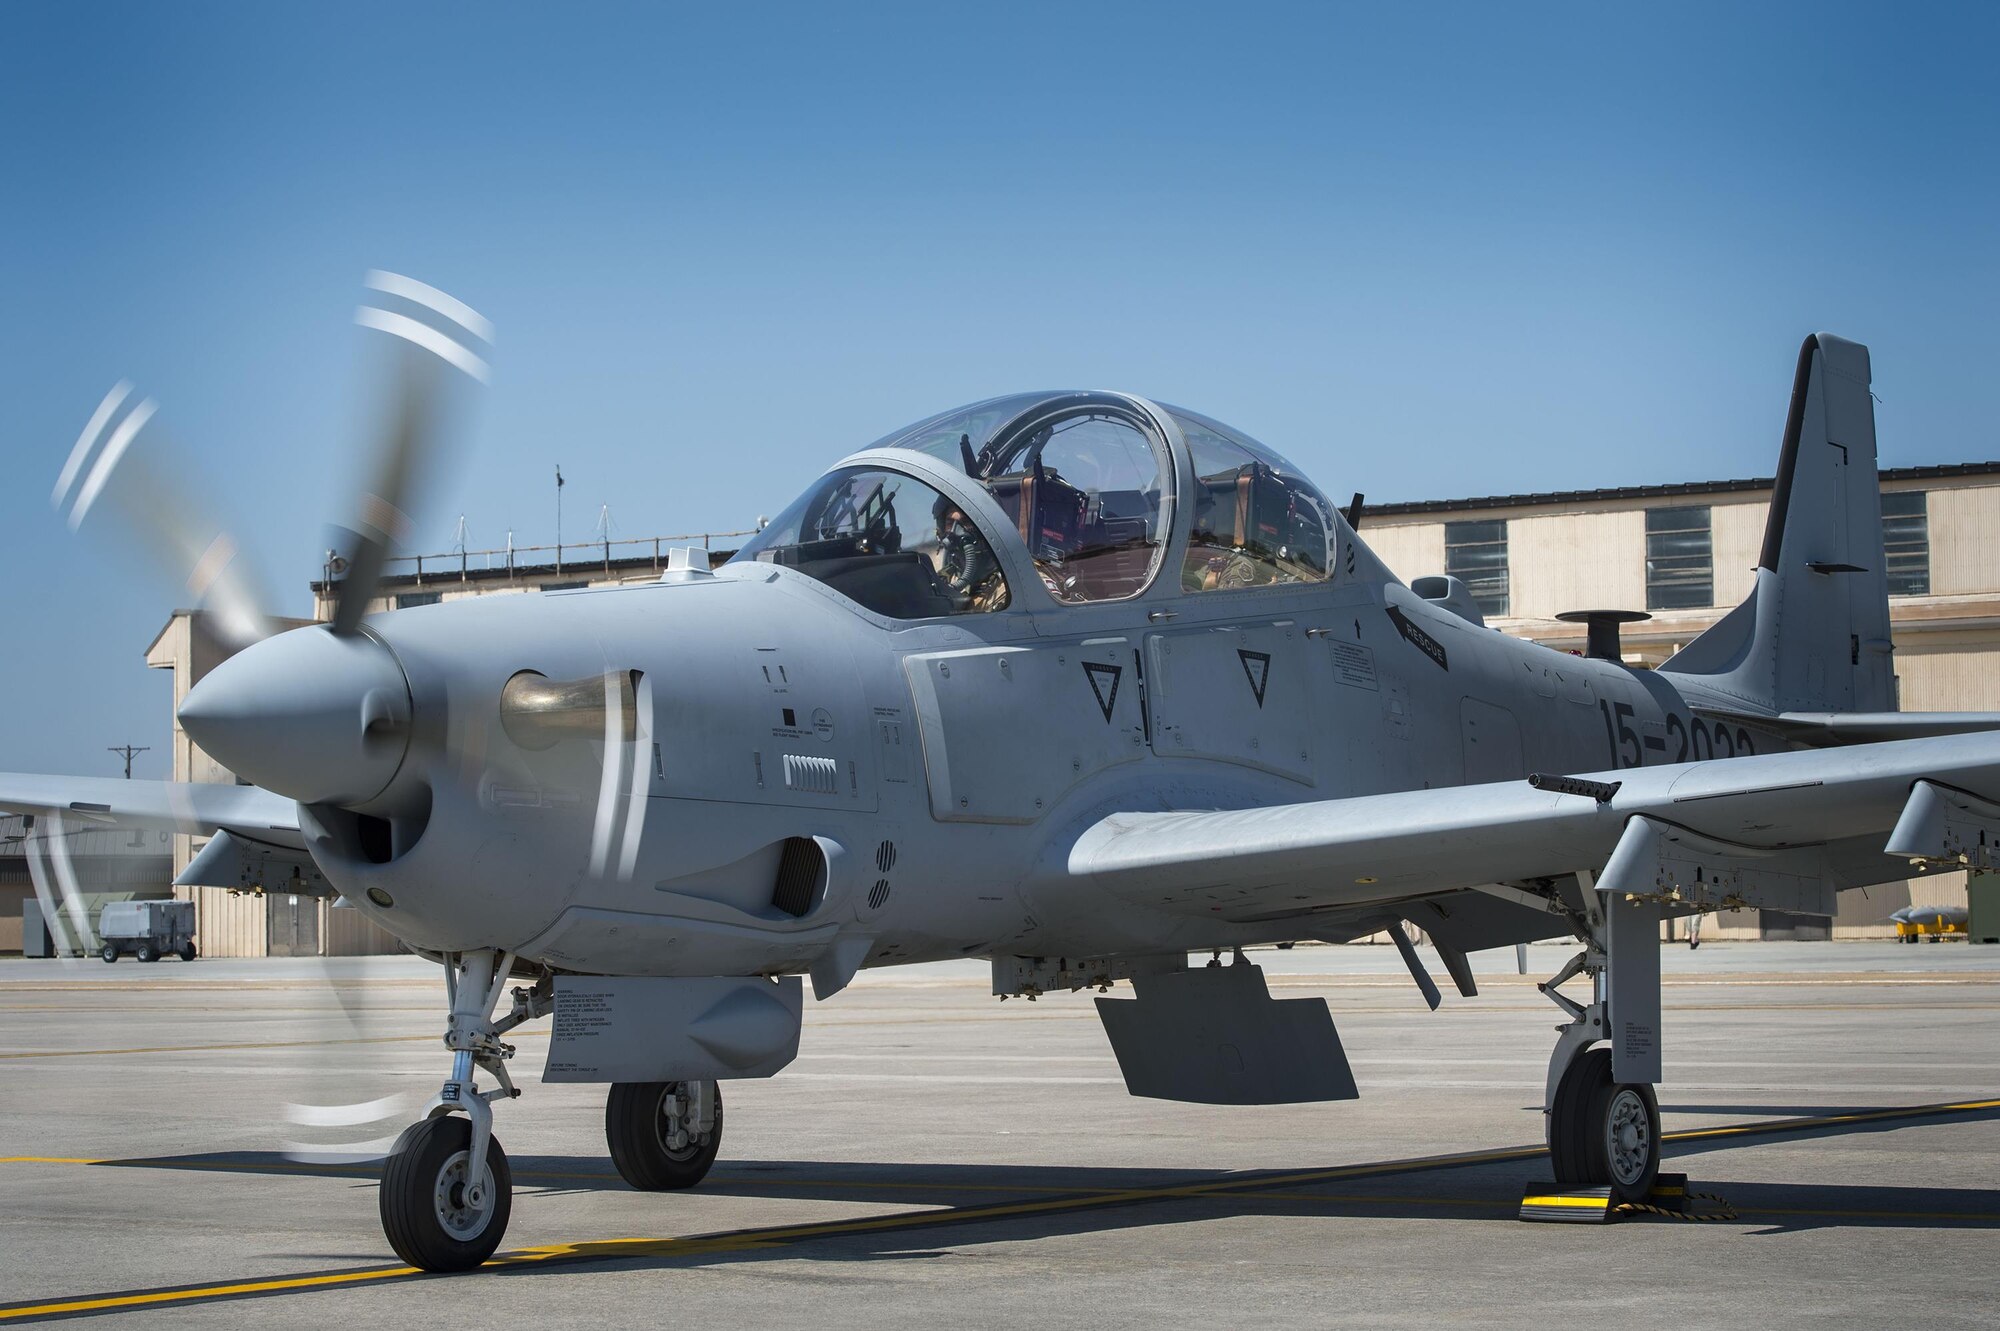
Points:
(944, 767)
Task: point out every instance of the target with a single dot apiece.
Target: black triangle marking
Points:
(1104, 684)
(1257, 665)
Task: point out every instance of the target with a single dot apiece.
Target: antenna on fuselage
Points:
(1353, 513)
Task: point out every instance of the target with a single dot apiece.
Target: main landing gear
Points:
(446, 1189)
(663, 1134)
(1604, 1133)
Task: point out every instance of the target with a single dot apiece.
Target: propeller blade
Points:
(348, 1110)
(63, 908)
(109, 467)
(433, 355)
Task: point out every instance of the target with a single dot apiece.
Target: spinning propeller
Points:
(324, 715)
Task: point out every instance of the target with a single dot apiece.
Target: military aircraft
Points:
(1080, 682)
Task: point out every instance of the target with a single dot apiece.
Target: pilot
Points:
(1213, 563)
(967, 571)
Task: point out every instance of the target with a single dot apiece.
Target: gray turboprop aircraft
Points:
(1079, 682)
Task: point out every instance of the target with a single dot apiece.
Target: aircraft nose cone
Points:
(319, 718)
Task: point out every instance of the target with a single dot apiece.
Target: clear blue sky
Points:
(1426, 250)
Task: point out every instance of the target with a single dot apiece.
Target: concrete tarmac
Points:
(938, 1158)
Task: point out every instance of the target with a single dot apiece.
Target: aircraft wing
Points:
(199, 807)
(1823, 815)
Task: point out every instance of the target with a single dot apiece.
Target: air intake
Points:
(801, 866)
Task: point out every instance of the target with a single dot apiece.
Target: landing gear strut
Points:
(1601, 1132)
(446, 1191)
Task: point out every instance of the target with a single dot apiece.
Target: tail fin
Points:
(1814, 635)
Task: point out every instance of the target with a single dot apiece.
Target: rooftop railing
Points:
(532, 560)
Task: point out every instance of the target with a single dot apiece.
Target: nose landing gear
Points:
(437, 1216)
(447, 1191)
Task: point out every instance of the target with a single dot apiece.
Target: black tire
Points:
(109, 952)
(145, 952)
(1574, 1092)
(417, 1197)
(635, 1128)
(1622, 1139)
(187, 950)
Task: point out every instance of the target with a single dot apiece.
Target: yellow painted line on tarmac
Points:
(155, 1297)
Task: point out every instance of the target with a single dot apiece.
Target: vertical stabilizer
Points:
(1814, 635)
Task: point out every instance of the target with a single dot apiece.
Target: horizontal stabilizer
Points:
(1823, 729)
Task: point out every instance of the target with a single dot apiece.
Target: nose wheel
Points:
(446, 1188)
(437, 1216)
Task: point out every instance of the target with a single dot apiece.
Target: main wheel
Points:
(1604, 1133)
(653, 1143)
(1574, 1090)
(146, 952)
(109, 952)
(1622, 1142)
(435, 1218)
(187, 950)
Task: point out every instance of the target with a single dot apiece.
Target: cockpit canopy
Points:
(1087, 484)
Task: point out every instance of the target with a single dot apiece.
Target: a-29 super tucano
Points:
(1076, 681)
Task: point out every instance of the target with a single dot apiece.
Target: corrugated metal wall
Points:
(226, 924)
(349, 933)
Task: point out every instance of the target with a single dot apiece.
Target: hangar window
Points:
(1906, 542)
(1476, 554)
(887, 541)
(1257, 522)
(1680, 562)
